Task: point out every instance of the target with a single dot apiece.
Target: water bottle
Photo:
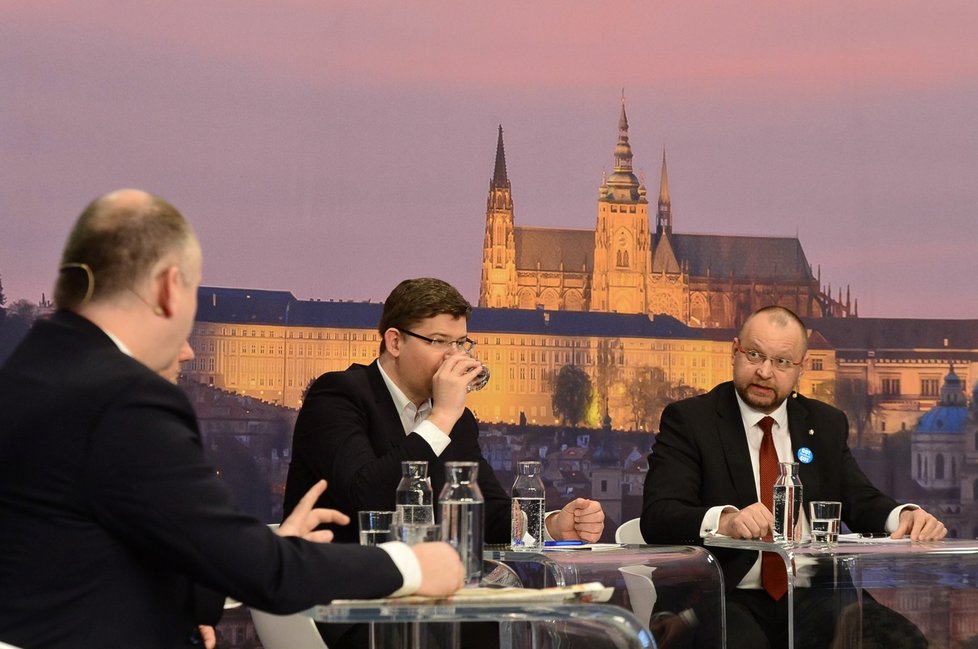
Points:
(414, 502)
(787, 503)
(462, 507)
(528, 505)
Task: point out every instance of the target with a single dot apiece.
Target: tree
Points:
(17, 320)
(3, 298)
(852, 397)
(648, 393)
(606, 372)
(572, 391)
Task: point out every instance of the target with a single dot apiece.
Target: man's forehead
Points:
(445, 324)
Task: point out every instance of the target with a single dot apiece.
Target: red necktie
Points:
(774, 578)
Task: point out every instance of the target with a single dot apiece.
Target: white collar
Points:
(751, 416)
(400, 399)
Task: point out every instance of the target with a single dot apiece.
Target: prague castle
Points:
(626, 266)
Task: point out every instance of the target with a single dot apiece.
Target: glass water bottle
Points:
(414, 501)
(528, 505)
(787, 503)
(462, 508)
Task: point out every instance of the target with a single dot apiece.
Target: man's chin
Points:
(764, 404)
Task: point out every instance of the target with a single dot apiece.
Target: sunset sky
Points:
(332, 148)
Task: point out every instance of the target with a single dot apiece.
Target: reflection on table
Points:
(675, 591)
(879, 590)
(599, 622)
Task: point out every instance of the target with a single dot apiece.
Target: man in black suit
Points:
(357, 426)
(111, 515)
(704, 469)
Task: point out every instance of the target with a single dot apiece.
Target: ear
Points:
(733, 349)
(392, 342)
(167, 284)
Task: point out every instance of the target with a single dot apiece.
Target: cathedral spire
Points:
(623, 120)
(623, 185)
(663, 221)
(499, 177)
(623, 150)
(664, 182)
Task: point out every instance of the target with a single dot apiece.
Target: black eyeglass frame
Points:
(465, 344)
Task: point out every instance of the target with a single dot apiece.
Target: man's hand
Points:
(920, 525)
(304, 519)
(581, 519)
(441, 569)
(752, 522)
(449, 387)
(207, 636)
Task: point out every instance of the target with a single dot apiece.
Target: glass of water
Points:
(825, 516)
(481, 379)
(375, 527)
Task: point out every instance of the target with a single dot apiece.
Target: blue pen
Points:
(557, 544)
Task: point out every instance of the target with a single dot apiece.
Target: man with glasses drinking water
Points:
(709, 473)
(357, 426)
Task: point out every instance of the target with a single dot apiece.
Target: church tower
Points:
(498, 285)
(663, 221)
(622, 241)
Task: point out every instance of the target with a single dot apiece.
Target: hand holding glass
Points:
(481, 379)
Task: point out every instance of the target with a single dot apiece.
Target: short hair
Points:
(413, 300)
(114, 244)
(782, 316)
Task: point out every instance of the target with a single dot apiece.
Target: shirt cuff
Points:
(405, 561)
(437, 439)
(893, 520)
(546, 532)
(711, 520)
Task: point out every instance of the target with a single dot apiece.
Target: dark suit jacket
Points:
(701, 460)
(110, 513)
(350, 433)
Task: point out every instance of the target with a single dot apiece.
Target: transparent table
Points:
(519, 622)
(878, 592)
(675, 591)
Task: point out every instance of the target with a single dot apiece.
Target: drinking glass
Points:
(375, 527)
(481, 379)
(825, 522)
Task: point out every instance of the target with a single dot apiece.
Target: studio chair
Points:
(630, 532)
(296, 631)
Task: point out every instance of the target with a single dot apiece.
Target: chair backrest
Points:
(630, 532)
(295, 631)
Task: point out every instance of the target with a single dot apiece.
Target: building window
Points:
(816, 364)
(930, 387)
(891, 387)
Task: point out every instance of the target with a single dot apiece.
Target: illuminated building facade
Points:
(626, 266)
(270, 345)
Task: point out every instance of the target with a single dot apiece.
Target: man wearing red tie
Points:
(713, 467)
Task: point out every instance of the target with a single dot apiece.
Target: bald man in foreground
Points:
(111, 513)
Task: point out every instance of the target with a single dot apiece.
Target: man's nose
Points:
(766, 368)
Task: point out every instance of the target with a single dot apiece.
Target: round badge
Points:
(805, 455)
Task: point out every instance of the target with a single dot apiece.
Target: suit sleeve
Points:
(672, 509)
(151, 487)
(340, 437)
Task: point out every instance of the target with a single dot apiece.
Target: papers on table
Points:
(870, 538)
(589, 592)
(582, 546)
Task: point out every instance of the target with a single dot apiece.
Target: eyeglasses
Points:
(755, 357)
(465, 344)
